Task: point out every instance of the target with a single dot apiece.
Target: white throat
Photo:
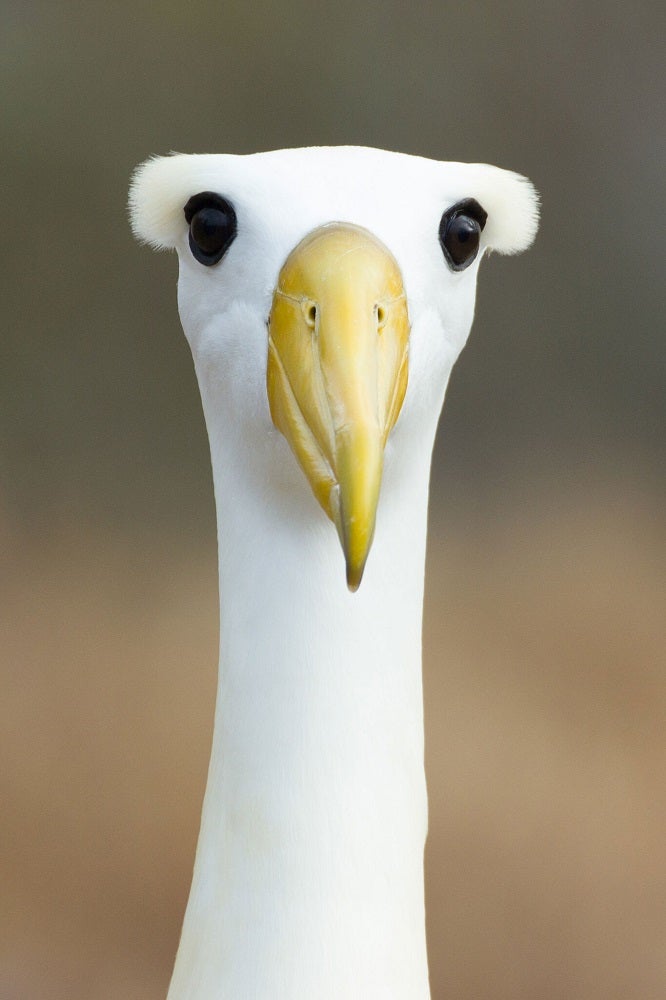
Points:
(308, 881)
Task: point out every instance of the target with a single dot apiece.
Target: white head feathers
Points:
(162, 185)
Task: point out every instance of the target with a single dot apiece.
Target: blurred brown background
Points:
(545, 666)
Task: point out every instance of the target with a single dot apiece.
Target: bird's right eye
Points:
(212, 222)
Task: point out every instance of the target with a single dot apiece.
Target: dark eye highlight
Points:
(460, 232)
(212, 222)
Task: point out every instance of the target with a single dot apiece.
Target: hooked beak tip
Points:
(354, 576)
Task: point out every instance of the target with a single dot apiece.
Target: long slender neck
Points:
(308, 879)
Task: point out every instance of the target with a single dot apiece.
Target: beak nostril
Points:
(310, 313)
(381, 316)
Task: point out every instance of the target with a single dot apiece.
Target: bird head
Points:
(326, 294)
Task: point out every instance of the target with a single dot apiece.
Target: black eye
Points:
(212, 222)
(460, 231)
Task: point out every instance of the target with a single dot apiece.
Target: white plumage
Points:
(308, 881)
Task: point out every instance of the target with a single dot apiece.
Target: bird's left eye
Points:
(212, 222)
(460, 232)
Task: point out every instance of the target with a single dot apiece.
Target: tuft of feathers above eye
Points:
(512, 204)
(158, 186)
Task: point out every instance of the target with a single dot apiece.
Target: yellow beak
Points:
(337, 372)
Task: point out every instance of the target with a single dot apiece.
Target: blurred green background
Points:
(544, 636)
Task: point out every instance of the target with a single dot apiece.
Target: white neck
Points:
(308, 881)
